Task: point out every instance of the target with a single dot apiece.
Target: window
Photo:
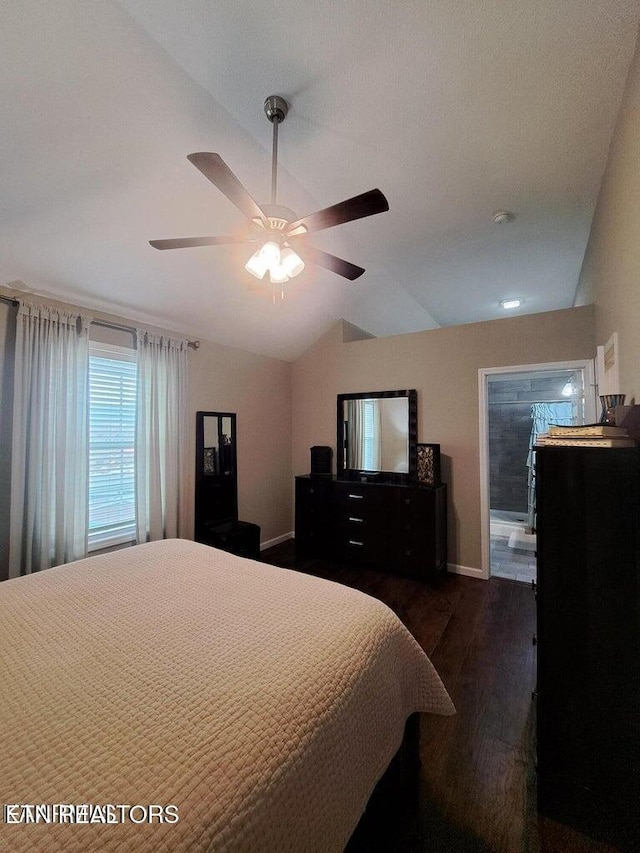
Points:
(112, 425)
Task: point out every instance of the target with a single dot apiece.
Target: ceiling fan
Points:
(281, 233)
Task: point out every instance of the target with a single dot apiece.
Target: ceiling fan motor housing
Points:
(278, 216)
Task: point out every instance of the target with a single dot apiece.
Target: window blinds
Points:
(112, 422)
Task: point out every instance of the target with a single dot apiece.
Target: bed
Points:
(260, 704)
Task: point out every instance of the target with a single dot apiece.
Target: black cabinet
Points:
(314, 532)
(396, 528)
(216, 499)
(588, 512)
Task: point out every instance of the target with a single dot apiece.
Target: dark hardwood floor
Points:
(477, 778)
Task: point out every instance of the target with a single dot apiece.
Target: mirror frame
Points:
(204, 483)
(344, 473)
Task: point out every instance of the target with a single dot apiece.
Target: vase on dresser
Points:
(609, 403)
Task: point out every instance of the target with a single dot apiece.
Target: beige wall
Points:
(258, 390)
(442, 364)
(221, 378)
(610, 275)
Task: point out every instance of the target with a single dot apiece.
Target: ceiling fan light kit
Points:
(281, 263)
(284, 251)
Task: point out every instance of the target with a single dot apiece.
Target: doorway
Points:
(517, 403)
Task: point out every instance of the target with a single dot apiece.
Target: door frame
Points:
(484, 373)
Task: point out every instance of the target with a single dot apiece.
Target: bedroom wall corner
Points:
(258, 389)
(314, 380)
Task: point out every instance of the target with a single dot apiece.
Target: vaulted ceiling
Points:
(455, 110)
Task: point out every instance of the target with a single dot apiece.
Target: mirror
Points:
(216, 476)
(218, 444)
(377, 434)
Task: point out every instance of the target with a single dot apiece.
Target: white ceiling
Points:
(454, 108)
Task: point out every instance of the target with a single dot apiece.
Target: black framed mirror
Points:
(377, 435)
(216, 471)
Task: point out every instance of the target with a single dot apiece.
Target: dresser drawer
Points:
(311, 490)
(355, 546)
(360, 502)
(414, 505)
(410, 560)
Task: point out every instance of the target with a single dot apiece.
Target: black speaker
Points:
(321, 460)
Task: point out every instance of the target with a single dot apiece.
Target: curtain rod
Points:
(105, 323)
(121, 327)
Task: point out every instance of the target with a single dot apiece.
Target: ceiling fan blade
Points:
(216, 170)
(329, 262)
(366, 204)
(190, 242)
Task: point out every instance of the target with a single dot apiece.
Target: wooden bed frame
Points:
(394, 800)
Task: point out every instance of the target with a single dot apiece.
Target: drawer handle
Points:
(356, 497)
(355, 542)
(352, 518)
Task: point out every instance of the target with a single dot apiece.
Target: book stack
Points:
(589, 435)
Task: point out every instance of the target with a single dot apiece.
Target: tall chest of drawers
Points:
(395, 528)
(588, 640)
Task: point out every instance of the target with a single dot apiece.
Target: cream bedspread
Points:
(264, 703)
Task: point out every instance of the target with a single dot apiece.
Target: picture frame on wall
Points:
(428, 464)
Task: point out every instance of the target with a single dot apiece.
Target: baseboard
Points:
(465, 570)
(275, 541)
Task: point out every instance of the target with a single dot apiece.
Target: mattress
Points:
(173, 697)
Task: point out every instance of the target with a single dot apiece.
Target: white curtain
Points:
(49, 487)
(161, 437)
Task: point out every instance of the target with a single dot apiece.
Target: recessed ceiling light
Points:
(501, 217)
(510, 303)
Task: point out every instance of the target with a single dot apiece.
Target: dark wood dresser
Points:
(588, 635)
(396, 528)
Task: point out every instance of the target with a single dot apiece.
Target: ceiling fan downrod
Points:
(276, 109)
